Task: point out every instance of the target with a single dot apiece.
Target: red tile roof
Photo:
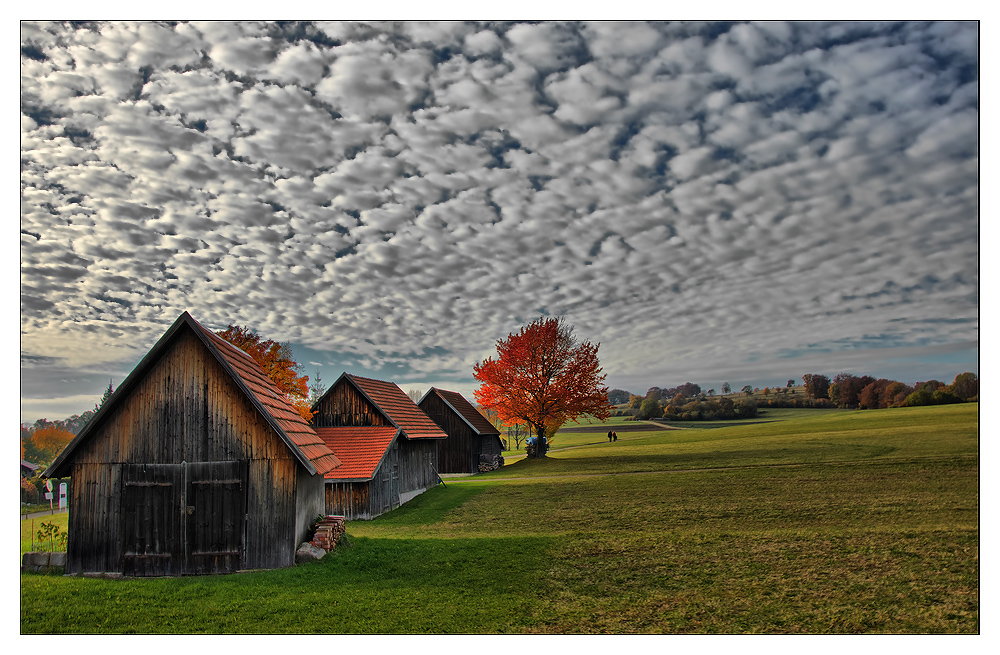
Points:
(479, 423)
(299, 433)
(361, 449)
(398, 408)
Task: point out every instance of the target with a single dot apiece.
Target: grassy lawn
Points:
(818, 522)
(30, 527)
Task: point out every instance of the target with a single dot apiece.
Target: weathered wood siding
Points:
(406, 471)
(345, 405)
(460, 452)
(185, 409)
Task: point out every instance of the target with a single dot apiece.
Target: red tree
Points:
(276, 360)
(543, 377)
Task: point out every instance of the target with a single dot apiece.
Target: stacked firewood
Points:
(490, 463)
(329, 530)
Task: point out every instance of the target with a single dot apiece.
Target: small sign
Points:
(63, 501)
(48, 485)
(48, 495)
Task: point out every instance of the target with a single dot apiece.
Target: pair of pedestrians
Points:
(612, 436)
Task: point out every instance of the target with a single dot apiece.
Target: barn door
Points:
(183, 518)
(151, 517)
(215, 512)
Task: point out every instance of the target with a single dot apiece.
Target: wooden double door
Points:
(183, 519)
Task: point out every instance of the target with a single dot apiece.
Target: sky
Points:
(711, 202)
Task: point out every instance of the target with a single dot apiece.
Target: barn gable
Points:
(386, 443)
(472, 439)
(302, 441)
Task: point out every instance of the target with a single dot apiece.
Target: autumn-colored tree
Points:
(817, 386)
(848, 389)
(42, 445)
(965, 386)
(276, 360)
(543, 377)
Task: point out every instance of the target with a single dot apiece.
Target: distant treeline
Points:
(687, 402)
(865, 392)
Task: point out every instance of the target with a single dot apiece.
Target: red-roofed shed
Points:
(472, 440)
(196, 464)
(388, 446)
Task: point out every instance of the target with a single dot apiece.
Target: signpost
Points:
(48, 495)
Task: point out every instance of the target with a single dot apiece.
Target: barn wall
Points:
(345, 405)
(309, 491)
(94, 519)
(349, 499)
(186, 408)
(405, 472)
(460, 452)
(456, 453)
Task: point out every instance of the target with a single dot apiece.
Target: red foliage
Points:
(276, 361)
(543, 377)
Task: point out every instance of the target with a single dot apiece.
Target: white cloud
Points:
(428, 187)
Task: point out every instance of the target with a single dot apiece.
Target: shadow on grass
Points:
(374, 586)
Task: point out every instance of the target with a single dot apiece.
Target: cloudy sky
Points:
(712, 202)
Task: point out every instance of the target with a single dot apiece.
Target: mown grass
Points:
(860, 522)
(30, 527)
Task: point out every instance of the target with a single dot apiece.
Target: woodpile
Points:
(490, 463)
(329, 530)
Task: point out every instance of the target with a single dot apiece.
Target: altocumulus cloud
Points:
(707, 200)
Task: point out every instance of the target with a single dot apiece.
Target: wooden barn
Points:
(472, 439)
(196, 464)
(388, 446)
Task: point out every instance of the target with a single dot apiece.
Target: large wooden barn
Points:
(196, 464)
(388, 446)
(472, 439)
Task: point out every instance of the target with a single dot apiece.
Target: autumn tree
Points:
(817, 386)
(965, 386)
(543, 376)
(847, 388)
(278, 364)
(42, 445)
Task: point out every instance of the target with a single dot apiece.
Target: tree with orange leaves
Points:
(42, 445)
(276, 360)
(543, 377)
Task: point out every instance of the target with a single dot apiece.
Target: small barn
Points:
(388, 446)
(196, 464)
(472, 440)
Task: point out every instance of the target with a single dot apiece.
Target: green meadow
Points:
(801, 521)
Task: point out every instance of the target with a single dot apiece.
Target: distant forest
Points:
(688, 402)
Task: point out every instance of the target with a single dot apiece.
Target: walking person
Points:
(615, 435)
(609, 436)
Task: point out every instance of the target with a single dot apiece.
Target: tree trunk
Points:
(541, 446)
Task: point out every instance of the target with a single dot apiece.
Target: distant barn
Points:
(196, 464)
(472, 439)
(388, 446)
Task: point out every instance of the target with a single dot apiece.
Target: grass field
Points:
(815, 522)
